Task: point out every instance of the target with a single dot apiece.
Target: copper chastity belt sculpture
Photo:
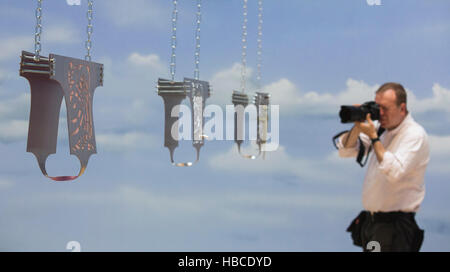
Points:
(50, 80)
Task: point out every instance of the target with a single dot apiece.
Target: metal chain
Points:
(244, 47)
(173, 57)
(197, 41)
(173, 45)
(259, 41)
(38, 31)
(89, 30)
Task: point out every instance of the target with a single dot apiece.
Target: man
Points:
(394, 183)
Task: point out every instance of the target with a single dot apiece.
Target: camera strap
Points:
(362, 149)
(335, 137)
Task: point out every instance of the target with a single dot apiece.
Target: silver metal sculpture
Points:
(173, 93)
(52, 79)
(240, 99)
(262, 102)
(240, 102)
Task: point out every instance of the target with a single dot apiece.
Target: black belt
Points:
(388, 216)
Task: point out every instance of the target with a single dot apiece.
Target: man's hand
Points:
(367, 128)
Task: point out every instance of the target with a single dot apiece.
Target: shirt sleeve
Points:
(396, 165)
(352, 151)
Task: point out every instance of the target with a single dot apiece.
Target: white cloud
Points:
(128, 99)
(292, 100)
(129, 141)
(312, 169)
(15, 108)
(14, 116)
(439, 154)
(230, 204)
(439, 145)
(13, 126)
(224, 82)
(139, 112)
(151, 61)
(287, 95)
(62, 34)
(279, 162)
(13, 130)
(214, 219)
(11, 47)
(5, 183)
(439, 101)
(134, 77)
(73, 2)
(3, 75)
(245, 207)
(136, 13)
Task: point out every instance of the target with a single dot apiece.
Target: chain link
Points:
(173, 45)
(244, 45)
(244, 48)
(38, 31)
(259, 41)
(89, 30)
(197, 41)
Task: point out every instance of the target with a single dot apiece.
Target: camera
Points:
(350, 114)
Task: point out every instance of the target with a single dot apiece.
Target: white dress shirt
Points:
(397, 183)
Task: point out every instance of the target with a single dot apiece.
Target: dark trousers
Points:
(386, 231)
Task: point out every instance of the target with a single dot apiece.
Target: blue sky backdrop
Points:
(317, 55)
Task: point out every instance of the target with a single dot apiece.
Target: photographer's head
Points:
(391, 97)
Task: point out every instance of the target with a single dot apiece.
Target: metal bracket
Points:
(173, 93)
(240, 101)
(50, 80)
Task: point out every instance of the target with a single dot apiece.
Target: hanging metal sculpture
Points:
(173, 93)
(240, 99)
(52, 79)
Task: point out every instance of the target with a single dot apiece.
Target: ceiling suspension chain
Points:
(38, 31)
(245, 42)
(173, 41)
(244, 48)
(259, 42)
(89, 30)
(197, 41)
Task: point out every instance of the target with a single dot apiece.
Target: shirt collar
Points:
(407, 119)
